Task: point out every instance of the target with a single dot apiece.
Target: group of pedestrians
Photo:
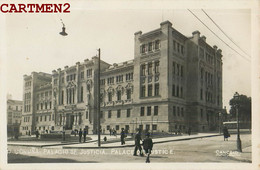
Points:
(112, 132)
(147, 145)
(84, 135)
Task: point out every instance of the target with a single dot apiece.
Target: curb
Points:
(41, 146)
(132, 145)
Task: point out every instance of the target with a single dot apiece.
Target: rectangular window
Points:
(50, 118)
(181, 92)
(147, 127)
(143, 48)
(142, 111)
(109, 114)
(45, 118)
(150, 46)
(201, 94)
(50, 104)
(154, 127)
(36, 118)
(181, 71)
(89, 72)
(157, 44)
(174, 45)
(178, 111)
(117, 127)
(156, 66)
(177, 91)
(173, 90)
(128, 112)
(108, 127)
(178, 69)
(149, 110)
(150, 68)
(157, 89)
(150, 89)
(201, 113)
(109, 96)
(40, 118)
(178, 47)
(81, 94)
(82, 75)
(174, 110)
(62, 80)
(143, 70)
(182, 112)
(118, 113)
(201, 73)
(173, 68)
(101, 114)
(128, 93)
(143, 91)
(141, 127)
(182, 49)
(155, 110)
(102, 82)
(118, 95)
(86, 114)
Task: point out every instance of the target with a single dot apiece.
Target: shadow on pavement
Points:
(18, 158)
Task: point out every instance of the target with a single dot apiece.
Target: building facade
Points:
(173, 83)
(14, 116)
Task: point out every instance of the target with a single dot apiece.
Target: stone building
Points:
(14, 116)
(174, 82)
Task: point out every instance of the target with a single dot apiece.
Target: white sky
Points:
(33, 42)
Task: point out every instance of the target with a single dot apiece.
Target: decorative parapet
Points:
(119, 102)
(128, 101)
(111, 103)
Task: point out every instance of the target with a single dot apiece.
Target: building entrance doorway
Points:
(69, 121)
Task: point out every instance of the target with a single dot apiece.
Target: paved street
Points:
(210, 149)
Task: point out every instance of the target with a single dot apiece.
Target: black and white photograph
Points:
(124, 85)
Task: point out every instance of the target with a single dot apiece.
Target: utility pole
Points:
(237, 98)
(98, 101)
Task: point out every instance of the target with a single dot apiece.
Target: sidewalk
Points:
(55, 143)
(130, 143)
(244, 156)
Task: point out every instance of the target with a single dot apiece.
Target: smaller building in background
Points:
(14, 117)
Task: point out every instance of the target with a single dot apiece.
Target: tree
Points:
(244, 107)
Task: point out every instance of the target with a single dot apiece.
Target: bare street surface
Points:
(211, 149)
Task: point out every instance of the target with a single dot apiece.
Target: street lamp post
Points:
(98, 102)
(236, 97)
(63, 128)
(219, 118)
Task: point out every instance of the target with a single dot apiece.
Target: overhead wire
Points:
(224, 32)
(218, 36)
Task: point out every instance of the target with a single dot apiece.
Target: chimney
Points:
(196, 34)
(203, 38)
(166, 23)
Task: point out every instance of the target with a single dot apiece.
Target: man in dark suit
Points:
(80, 135)
(85, 134)
(137, 143)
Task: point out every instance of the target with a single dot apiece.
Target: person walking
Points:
(137, 143)
(122, 136)
(110, 131)
(148, 146)
(226, 133)
(37, 134)
(85, 134)
(189, 131)
(80, 135)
